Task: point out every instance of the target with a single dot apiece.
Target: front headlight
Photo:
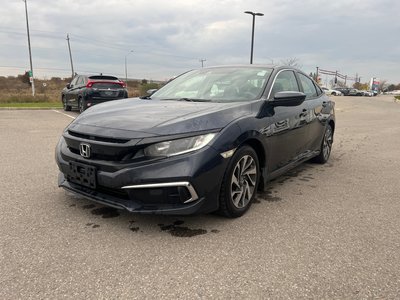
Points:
(175, 147)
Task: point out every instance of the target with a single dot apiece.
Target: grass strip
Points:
(31, 105)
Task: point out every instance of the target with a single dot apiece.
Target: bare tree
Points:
(292, 62)
(338, 83)
(382, 85)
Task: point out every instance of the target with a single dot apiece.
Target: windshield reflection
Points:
(222, 84)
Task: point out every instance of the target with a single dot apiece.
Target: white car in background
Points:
(332, 92)
(367, 93)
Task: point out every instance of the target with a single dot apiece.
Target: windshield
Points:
(225, 84)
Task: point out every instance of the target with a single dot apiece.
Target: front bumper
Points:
(181, 185)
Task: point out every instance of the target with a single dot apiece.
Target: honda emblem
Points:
(84, 150)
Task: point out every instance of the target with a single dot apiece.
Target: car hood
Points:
(138, 118)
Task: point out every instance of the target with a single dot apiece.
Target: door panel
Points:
(288, 134)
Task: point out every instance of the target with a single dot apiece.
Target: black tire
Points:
(334, 93)
(81, 105)
(240, 182)
(65, 106)
(326, 146)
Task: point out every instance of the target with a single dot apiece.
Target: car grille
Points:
(98, 138)
(104, 148)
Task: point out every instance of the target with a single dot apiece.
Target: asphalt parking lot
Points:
(321, 231)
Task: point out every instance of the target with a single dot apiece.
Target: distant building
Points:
(374, 84)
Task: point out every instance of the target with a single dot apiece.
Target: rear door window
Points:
(308, 86)
(80, 81)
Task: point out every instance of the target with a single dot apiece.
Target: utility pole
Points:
(126, 67)
(316, 75)
(30, 52)
(70, 56)
(202, 60)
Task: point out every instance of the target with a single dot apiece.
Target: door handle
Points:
(303, 113)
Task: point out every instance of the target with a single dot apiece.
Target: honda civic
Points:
(206, 141)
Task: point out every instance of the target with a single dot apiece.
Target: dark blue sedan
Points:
(206, 141)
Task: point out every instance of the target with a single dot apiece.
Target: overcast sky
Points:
(170, 37)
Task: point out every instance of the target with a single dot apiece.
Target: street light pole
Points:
(202, 60)
(252, 31)
(29, 46)
(126, 68)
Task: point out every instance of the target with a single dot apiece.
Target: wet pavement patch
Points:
(106, 212)
(215, 231)
(88, 206)
(181, 231)
(267, 196)
(133, 227)
(72, 205)
(92, 225)
(178, 222)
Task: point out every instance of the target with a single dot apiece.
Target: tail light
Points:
(123, 84)
(89, 84)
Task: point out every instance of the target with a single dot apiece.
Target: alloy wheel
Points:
(243, 183)
(327, 144)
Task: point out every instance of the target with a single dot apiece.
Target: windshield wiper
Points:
(194, 100)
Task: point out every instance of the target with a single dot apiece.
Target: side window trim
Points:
(276, 76)
(302, 87)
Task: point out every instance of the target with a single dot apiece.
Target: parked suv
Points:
(85, 91)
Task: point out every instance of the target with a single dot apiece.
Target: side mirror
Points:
(68, 86)
(151, 92)
(288, 98)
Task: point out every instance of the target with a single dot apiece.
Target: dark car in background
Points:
(85, 91)
(355, 92)
(206, 141)
(344, 90)
(349, 91)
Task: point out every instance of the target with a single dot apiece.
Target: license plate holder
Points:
(82, 174)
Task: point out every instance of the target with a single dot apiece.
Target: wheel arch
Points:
(261, 155)
(332, 124)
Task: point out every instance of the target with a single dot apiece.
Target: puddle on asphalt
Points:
(88, 206)
(181, 231)
(267, 196)
(92, 225)
(105, 212)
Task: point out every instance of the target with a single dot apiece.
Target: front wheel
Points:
(239, 185)
(326, 146)
(81, 105)
(65, 106)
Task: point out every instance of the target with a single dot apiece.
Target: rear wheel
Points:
(326, 146)
(65, 106)
(239, 185)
